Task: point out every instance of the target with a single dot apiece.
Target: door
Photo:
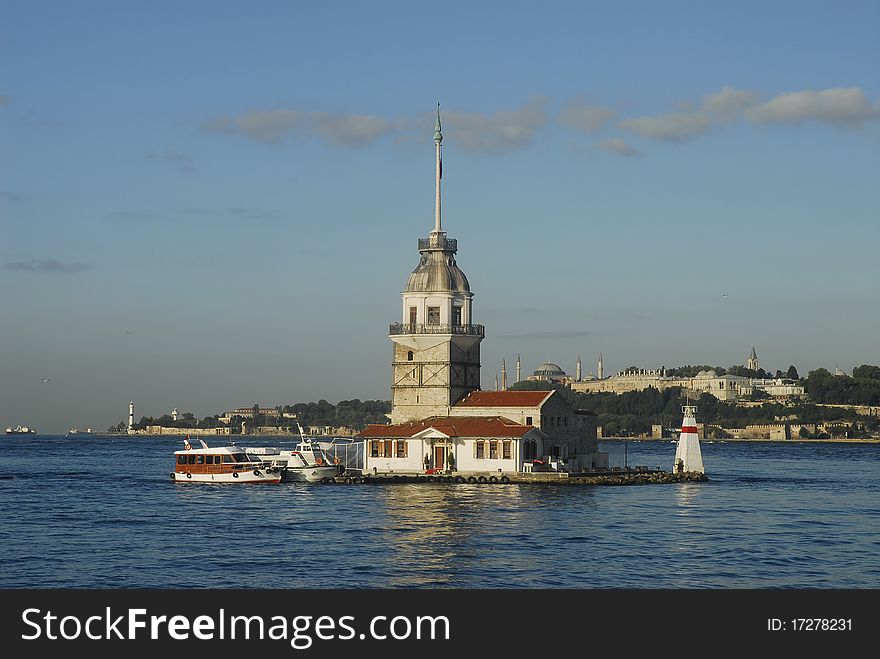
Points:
(439, 457)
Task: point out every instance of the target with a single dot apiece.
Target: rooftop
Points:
(465, 426)
(504, 399)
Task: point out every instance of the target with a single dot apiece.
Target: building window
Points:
(412, 316)
(480, 450)
(456, 315)
(409, 356)
(493, 450)
(388, 453)
(433, 315)
(506, 450)
(374, 448)
(401, 448)
(528, 420)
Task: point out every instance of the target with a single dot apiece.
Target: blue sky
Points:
(205, 205)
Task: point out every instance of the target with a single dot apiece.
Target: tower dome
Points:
(437, 271)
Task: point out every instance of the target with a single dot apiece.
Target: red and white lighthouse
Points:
(687, 453)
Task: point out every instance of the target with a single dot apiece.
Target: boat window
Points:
(200, 459)
(181, 459)
(227, 458)
(190, 459)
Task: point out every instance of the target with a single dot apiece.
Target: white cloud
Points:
(729, 102)
(272, 126)
(587, 118)
(506, 130)
(672, 127)
(848, 107)
(718, 108)
(49, 265)
(618, 147)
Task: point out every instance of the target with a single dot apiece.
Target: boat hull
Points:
(254, 476)
(308, 474)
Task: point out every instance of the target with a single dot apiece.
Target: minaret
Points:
(752, 364)
(687, 453)
(436, 346)
(599, 369)
(518, 368)
(578, 371)
(496, 380)
(131, 417)
(503, 375)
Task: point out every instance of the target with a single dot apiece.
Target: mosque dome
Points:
(437, 272)
(549, 369)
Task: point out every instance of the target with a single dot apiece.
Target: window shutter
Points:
(405, 448)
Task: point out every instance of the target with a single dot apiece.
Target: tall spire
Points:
(438, 138)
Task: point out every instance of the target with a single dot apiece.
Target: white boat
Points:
(224, 464)
(21, 430)
(306, 463)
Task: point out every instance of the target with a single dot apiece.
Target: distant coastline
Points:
(746, 440)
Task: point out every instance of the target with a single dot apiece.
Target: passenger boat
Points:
(307, 463)
(21, 430)
(224, 464)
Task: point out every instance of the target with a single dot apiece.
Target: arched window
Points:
(409, 356)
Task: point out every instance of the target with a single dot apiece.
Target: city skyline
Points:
(210, 218)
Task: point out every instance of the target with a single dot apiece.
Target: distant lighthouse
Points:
(131, 418)
(687, 453)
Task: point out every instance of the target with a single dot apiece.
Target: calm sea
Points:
(103, 513)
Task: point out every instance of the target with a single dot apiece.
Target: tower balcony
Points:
(438, 241)
(397, 329)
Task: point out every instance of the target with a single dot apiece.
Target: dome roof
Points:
(437, 272)
(549, 368)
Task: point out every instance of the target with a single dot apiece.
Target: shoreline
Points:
(748, 440)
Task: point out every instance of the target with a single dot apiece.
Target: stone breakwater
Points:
(626, 478)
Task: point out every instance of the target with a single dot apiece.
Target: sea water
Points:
(102, 512)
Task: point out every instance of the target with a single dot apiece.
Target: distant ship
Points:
(21, 430)
(77, 431)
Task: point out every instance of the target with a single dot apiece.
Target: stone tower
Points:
(753, 360)
(600, 371)
(436, 359)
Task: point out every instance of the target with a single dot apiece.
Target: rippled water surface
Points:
(102, 512)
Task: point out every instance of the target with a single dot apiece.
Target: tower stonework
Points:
(436, 359)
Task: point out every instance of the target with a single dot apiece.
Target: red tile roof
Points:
(504, 399)
(462, 426)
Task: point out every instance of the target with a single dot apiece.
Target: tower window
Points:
(412, 315)
(433, 315)
(456, 315)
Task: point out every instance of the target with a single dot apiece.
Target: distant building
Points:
(548, 372)
(777, 387)
(248, 413)
(752, 362)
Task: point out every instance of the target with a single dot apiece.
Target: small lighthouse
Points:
(131, 417)
(687, 453)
